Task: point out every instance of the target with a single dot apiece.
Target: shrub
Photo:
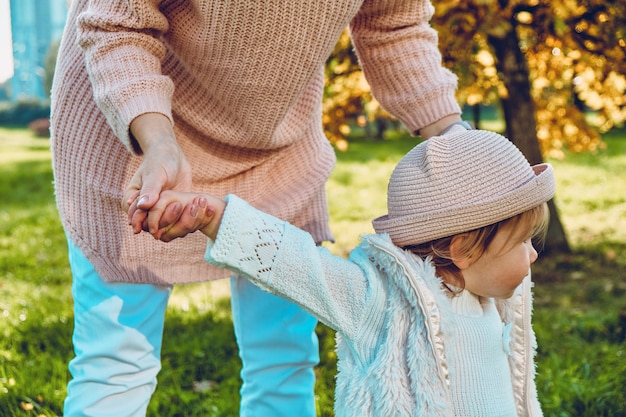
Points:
(21, 113)
(40, 127)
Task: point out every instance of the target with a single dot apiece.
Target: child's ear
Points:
(461, 259)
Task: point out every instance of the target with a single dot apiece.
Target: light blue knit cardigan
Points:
(383, 303)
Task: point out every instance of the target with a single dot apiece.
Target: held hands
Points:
(156, 199)
(177, 214)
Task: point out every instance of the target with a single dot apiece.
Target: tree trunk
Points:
(476, 115)
(519, 116)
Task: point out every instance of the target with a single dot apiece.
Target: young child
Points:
(433, 311)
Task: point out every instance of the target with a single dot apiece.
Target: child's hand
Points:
(178, 214)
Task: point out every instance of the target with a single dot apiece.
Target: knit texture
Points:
(480, 378)
(242, 83)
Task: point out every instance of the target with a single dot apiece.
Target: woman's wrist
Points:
(439, 126)
(151, 129)
(463, 123)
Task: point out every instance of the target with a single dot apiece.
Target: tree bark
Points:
(476, 115)
(519, 116)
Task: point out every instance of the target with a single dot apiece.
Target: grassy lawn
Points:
(580, 298)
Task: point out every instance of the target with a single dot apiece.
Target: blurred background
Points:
(549, 74)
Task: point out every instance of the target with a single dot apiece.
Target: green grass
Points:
(580, 314)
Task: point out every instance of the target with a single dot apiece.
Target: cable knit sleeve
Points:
(123, 55)
(284, 260)
(398, 51)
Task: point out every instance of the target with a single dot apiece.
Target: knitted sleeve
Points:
(398, 51)
(123, 57)
(285, 261)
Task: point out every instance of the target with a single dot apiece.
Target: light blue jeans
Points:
(118, 329)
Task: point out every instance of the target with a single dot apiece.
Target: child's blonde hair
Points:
(476, 242)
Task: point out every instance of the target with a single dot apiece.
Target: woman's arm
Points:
(398, 51)
(123, 54)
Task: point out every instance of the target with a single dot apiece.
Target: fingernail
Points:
(142, 200)
(193, 211)
(131, 199)
(202, 202)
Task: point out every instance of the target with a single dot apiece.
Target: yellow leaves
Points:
(593, 99)
(586, 75)
(342, 67)
(446, 6)
(524, 17)
(603, 93)
(344, 129)
(574, 54)
(341, 145)
(590, 45)
(490, 72)
(541, 82)
(344, 41)
(565, 128)
(500, 29)
(617, 82)
(562, 72)
(27, 406)
(569, 8)
(474, 99)
(570, 129)
(484, 58)
(581, 26)
(347, 101)
(503, 92)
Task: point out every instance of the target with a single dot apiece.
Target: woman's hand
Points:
(164, 167)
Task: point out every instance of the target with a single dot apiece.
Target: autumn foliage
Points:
(348, 101)
(572, 54)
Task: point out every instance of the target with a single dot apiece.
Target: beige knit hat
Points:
(463, 180)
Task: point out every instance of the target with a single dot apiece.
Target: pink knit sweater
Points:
(242, 82)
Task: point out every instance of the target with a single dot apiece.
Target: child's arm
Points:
(342, 293)
(279, 258)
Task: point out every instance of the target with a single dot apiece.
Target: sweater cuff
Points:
(129, 109)
(247, 242)
(435, 107)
